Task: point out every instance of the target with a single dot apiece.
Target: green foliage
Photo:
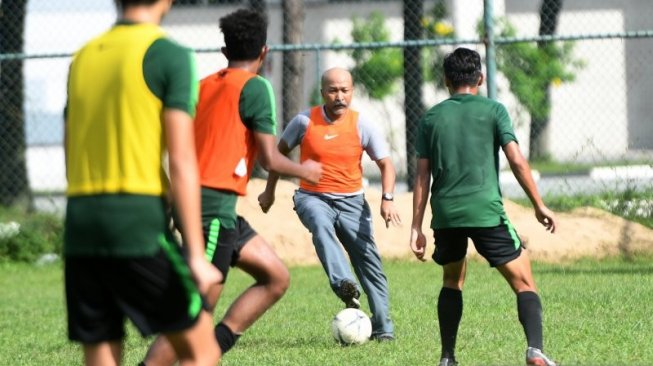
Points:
(376, 70)
(531, 69)
(596, 313)
(550, 166)
(379, 70)
(27, 236)
(436, 27)
(316, 96)
(553, 167)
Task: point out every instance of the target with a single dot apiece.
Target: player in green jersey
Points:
(458, 145)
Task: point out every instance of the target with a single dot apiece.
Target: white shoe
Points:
(535, 357)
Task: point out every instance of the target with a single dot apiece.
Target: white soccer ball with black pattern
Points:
(351, 326)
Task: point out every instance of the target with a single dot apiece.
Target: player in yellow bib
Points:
(131, 96)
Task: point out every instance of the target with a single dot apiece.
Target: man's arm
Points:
(522, 171)
(185, 188)
(256, 108)
(273, 161)
(266, 199)
(420, 197)
(388, 210)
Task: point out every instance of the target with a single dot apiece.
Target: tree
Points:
(378, 71)
(258, 5)
(532, 68)
(413, 79)
(436, 26)
(293, 67)
(14, 186)
(549, 14)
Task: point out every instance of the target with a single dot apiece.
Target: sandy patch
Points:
(585, 232)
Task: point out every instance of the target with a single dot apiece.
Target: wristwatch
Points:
(387, 197)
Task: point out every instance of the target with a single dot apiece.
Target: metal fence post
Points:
(490, 55)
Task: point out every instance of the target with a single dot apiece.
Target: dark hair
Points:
(125, 3)
(462, 67)
(245, 33)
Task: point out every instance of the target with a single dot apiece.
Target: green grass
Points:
(552, 167)
(630, 204)
(595, 313)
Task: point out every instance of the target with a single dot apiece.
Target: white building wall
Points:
(587, 122)
(574, 133)
(589, 118)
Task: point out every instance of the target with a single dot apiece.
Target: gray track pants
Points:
(348, 221)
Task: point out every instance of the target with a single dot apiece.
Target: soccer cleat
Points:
(383, 337)
(448, 362)
(535, 357)
(349, 294)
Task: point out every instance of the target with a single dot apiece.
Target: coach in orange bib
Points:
(335, 210)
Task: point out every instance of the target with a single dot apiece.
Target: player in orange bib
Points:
(235, 126)
(335, 210)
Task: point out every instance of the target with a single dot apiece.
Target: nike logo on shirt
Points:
(329, 137)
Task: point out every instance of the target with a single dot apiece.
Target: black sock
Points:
(142, 363)
(529, 309)
(226, 338)
(450, 310)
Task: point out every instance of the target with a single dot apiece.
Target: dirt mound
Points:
(585, 232)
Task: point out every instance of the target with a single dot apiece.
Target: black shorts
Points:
(156, 293)
(498, 245)
(223, 245)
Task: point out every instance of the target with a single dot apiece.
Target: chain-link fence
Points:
(574, 75)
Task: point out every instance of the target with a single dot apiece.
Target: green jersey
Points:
(461, 137)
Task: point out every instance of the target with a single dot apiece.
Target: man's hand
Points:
(389, 213)
(312, 171)
(204, 273)
(418, 243)
(546, 218)
(266, 200)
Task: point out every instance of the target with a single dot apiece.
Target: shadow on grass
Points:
(287, 343)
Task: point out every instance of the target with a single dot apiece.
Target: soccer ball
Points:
(351, 326)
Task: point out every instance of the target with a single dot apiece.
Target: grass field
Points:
(595, 313)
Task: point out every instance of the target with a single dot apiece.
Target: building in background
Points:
(604, 115)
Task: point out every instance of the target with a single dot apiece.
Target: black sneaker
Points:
(349, 294)
(383, 337)
(448, 362)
